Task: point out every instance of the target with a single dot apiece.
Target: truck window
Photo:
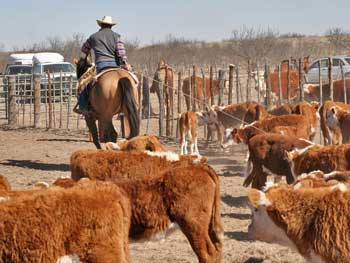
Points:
(55, 68)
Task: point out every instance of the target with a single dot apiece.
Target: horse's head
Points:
(163, 72)
(83, 64)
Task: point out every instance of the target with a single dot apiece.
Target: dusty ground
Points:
(28, 156)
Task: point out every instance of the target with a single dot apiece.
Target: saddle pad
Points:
(117, 69)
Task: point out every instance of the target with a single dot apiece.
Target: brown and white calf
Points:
(188, 125)
(139, 143)
(327, 159)
(338, 120)
(162, 192)
(304, 220)
(88, 223)
(267, 153)
(234, 115)
(105, 165)
(330, 130)
(297, 125)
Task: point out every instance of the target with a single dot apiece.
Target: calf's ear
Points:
(257, 198)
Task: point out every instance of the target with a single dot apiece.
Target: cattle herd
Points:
(135, 190)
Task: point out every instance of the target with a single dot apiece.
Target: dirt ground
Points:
(28, 156)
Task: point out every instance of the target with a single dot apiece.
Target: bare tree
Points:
(251, 43)
(338, 39)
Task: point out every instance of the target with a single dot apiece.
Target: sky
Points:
(24, 22)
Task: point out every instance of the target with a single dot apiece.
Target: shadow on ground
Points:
(36, 165)
(237, 216)
(238, 235)
(61, 140)
(254, 260)
(236, 201)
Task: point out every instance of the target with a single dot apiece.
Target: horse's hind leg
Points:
(91, 124)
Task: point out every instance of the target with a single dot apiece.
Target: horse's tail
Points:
(129, 101)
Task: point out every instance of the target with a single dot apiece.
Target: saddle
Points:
(90, 76)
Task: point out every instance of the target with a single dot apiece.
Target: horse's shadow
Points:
(61, 140)
(36, 165)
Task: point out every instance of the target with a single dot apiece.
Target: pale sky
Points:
(26, 21)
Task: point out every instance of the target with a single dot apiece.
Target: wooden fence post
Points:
(167, 102)
(320, 81)
(148, 98)
(12, 101)
(140, 91)
(190, 105)
(179, 99)
(330, 78)
(161, 104)
(230, 83)
(221, 86)
(280, 94)
(301, 77)
(237, 84)
(211, 81)
(268, 86)
(204, 102)
(288, 80)
(194, 89)
(344, 83)
(258, 79)
(37, 100)
(61, 100)
(69, 100)
(50, 102)
(248, 93)
(171, 94)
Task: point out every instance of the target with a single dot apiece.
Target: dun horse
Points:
(114, 92)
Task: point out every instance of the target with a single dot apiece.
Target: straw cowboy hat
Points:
(106, 20)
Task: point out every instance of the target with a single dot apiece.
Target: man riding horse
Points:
(113, 90)
(109, 52)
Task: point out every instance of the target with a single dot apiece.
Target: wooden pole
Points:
(221, 86)
(268, 86)
(288, 80)
(12, 118)
(50, 102)
(301, 78)
(330, 78)
(140, 90)
(320, 81)
(179, 98)
(61, 99)
(37, 101)
(248, 93)
(69, 100)
(237, 84)
(161, 104)
(204, 99)
(194, 89)
(211, 81)
(230, 83)
(53, 87)
(23, 100)
(147, 94)
(171, 94)
(259, 84)
(167, 102)
(344, 83)
(280, 94)
(190, 90)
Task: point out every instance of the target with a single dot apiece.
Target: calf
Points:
(304, 220)
(338, 120)
(330, 130)
(267, 151)
(104, 165)
(87, 223)
(188, 123)
(316, 157)
(139, 143)
(187, 196)
(235, 115)
(299, 127)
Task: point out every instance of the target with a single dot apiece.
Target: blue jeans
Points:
(105, 64)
